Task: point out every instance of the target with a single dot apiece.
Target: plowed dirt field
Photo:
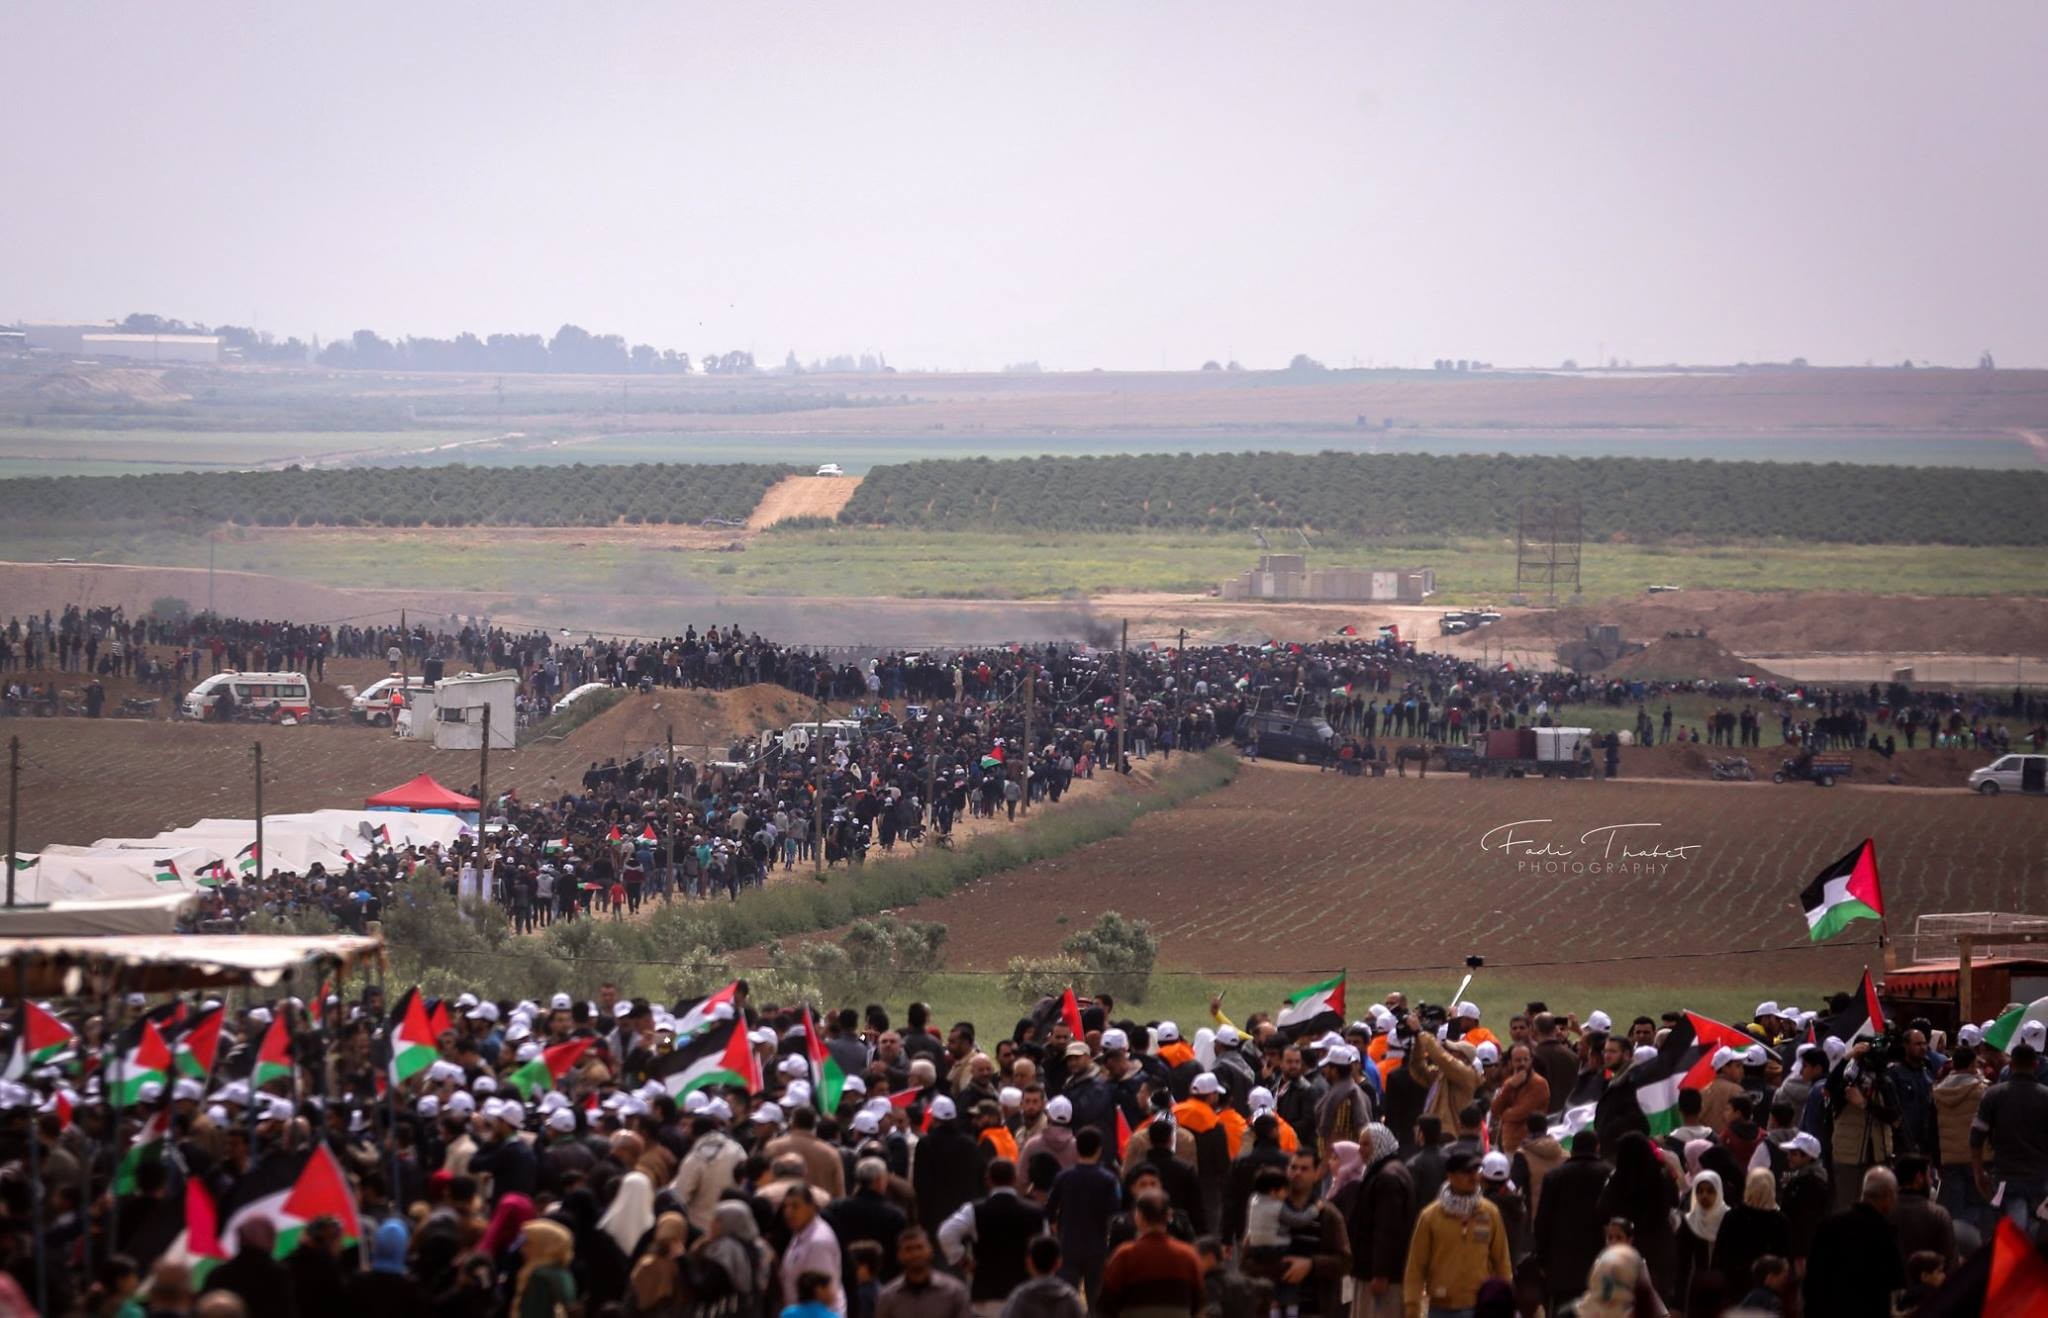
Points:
(1288, 868)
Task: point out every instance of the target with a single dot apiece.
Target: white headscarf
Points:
(1706, 1224)
(631, 1215)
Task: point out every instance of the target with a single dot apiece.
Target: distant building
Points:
(1288, 577)
(191, 348)
(106, 339)
(13, 340)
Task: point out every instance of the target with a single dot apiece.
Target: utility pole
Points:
(13, 811)
(818, 787)
(1123, 654)
(1030, 704)
(211, 541)
(483, 784)
(931, 768)
(260, 857)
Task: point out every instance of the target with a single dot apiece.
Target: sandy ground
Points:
(802, 496)
(1285, 869)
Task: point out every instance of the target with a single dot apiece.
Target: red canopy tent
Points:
(422, 793)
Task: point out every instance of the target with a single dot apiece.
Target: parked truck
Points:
(1522, 752)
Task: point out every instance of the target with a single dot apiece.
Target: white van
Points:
(276, 694)
(831, 469)
(373, 704)
(2012, 773)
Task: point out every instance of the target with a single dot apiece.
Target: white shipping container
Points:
(1560, 745)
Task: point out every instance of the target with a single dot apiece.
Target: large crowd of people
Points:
(541, 1158)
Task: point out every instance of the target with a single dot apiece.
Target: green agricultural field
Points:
(981, 565)
(85, 451)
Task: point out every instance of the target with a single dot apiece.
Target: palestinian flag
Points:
(274, 1058)
(827, 1080)
(1316, 1009)
(720, 1055)
(437, 1020)
(697, 1017)
(1685, 1061)
(2005, 1031)
(247, 860)
(648, 837)
(292, 1191)
(1846, 890)
(409, 1045)
(199, 1045)
(166, 871)
(381, 834)
(59, 1107)
(1567, 1124)
(2006, 1277)
(554, 846)
(615, 836)
(1863, 1018)
(149, 1146)
(1123, 1132)
(212, 874)
(1070, 1012)
(546, 1071)
(141, 1057)
(40, 1040)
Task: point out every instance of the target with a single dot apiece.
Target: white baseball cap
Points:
(622, 1009)
(187, 1090)
(149, 1092)
(1260, 1099)
(1647, 1054)
(1970, 1034)
(768, 1114)
(561, 1002)
(528, 1051)
(1766, 1008)
(428, 1107)
(260, 1015)
(1115, 1041)
(942, 1109)
(793, 1065)
(1205, 1083)
(798, 1094)
(552, 1100)
(1806, 1143)
(1494, 1166)
(854, 1085)
(562, 1120)
(1599, 1021)
(1167, 1032)
(1060, 1111)
(490, 1109)
(460, 1103)
(695, 1102)
(484, 1011)
(1468, 1011)
(1755, 1055)
(465, 1001)
(1228, 1035)
(866, 1123)
(1723, 1056)
(1010, 1096)
(485, 1084)
(718, 1110)
(512, 1112)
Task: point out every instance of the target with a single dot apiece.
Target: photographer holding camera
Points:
(1864, 1102)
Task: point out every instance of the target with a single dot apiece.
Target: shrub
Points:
(888, 955)
(1116, 955)
(696, 973)
(169, 608)
(1029, 979)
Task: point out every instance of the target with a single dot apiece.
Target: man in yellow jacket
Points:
(1459, 1244)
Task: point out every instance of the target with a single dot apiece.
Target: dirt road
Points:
(802, 496)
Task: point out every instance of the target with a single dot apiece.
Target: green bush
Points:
(1116, 955)
(1028, 979)
(890, 955)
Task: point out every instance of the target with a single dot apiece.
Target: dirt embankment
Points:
(1801, 622)
(1686, 657)
(802, 496)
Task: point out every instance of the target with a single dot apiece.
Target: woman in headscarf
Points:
(1699, 1233)
(600, 1263)
(728, 1270)
(513, 1213)
(1619, 1287)
(1753, 1228)
(545, 1284)
(657, 1289)
(631, 1215)
(1347, 1165)
(1379, 1212)
(1641, 1191)
(387, 1289)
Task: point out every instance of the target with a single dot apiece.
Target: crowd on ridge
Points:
(728, 1158)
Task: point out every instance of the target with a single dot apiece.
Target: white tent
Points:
(101, 875)
(156, 913)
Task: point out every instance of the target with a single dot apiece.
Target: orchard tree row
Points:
(1640, 499)
(405, 496)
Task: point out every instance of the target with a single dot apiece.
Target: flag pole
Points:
(35, 1141)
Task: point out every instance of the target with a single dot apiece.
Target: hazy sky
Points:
(1085, 184)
